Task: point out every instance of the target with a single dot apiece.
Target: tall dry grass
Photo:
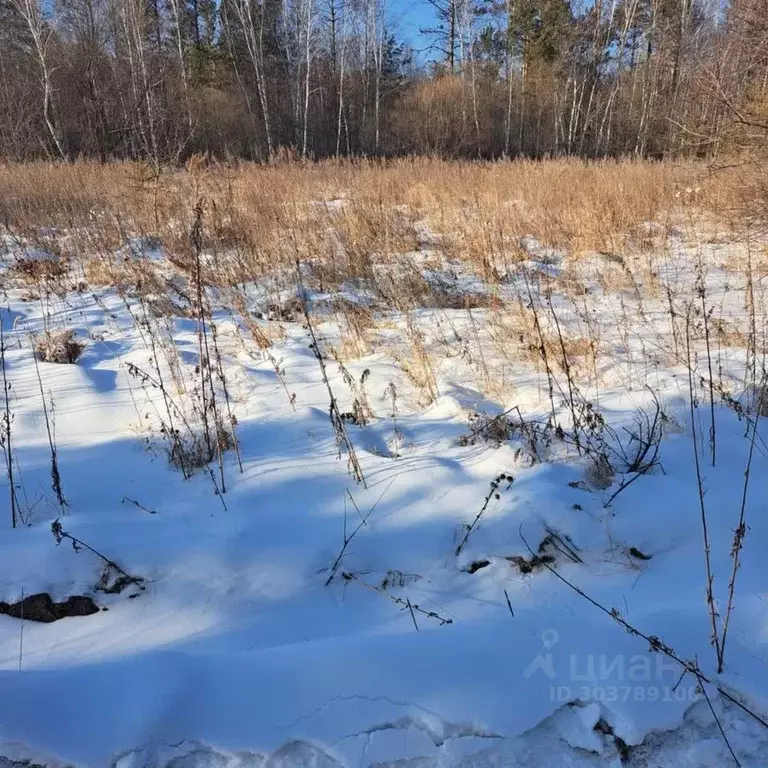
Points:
(565, 202)
(347, 217)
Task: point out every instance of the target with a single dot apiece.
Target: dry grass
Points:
(59, 347)
(349, 215)
(736, 261)
(36, 268)
(393, 230)
(728, 335)
(516, 337)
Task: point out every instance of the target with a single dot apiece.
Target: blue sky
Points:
(408, 16)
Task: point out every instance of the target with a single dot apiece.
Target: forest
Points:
(162, 80)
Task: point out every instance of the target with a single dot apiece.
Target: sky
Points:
(408, 17)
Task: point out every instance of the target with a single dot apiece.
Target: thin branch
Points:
(406, 604)
(348, 538)
(60, 534)
(136, 504)
(336, 419)
(492, 492)
(703, 689)
(741, 528)
(700, 485)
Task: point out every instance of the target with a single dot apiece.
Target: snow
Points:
(237, 653)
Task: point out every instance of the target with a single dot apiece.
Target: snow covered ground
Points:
(303, 618)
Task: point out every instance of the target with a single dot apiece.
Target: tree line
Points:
(161, 80)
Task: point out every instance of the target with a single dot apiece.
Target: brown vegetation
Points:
(161, 81)
(59, 347)
(344, 212)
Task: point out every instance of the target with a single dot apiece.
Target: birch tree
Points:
(40, 34)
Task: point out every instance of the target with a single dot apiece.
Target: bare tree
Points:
(180, 50)
(252, 27)
(162, 79)
(40, 34)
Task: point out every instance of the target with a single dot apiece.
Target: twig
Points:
(413, 615)
(196, 236)
(136, 504)
(336, 421)
(21, 630)
(568, 375)
(348, 538)
(6, 423)
(699, 482)
(741, 528)
(703, 689)
(60, 534)
(206, 376)
(562, 546)
(357, 509)
(55, 475)
(406, 604)
(170, 432)
(712, 425)
(640, 464)
(230, 416)
(542, 348)
(492, 492)
(509, 604)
